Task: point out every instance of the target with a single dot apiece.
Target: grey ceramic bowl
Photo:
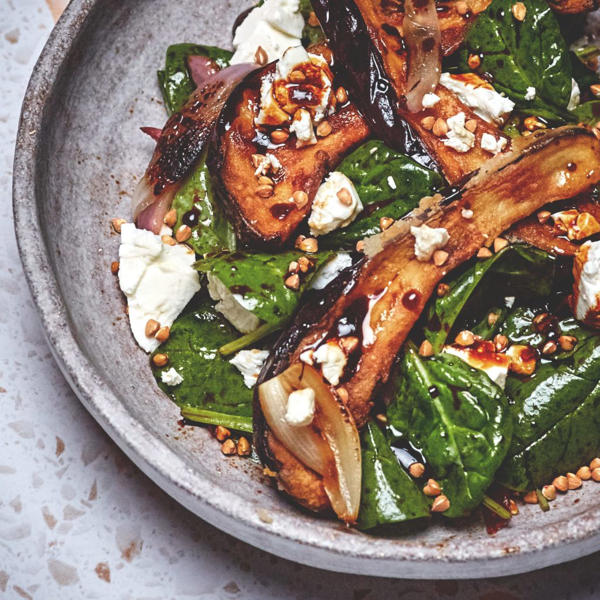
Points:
(79, 152)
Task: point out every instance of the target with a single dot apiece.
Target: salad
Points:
(366, 252)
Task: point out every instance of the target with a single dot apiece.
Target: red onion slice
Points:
(423, 39)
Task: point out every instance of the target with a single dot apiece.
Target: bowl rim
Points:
(277, 532)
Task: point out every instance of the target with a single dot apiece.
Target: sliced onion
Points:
(330, 446)
(201, 68)
(423, 39)
(153, 132)
(150, 211)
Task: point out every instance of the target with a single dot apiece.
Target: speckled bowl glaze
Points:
(79, 152)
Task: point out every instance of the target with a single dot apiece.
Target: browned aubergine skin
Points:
(272, 221)
(573, 7)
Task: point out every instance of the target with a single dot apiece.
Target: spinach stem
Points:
(209, 417)
(250, 338)
(496, 508)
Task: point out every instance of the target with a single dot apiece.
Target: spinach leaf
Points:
(195, 205)
(516, 270)
(557, 416)
(588, 112)
(389, 184)
(389, 494)
(259, 279)
(212, 390)
(175, 80)
(518, 55)
(458, 419)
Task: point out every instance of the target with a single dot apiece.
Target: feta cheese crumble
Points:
(430, 100)
(302, 126)
(458, 137)
(332, 360)
(158, 280)
(491, 144)
(300, 410)
(274, 26)
(330, 271)
(530, 94)
(328, 211)
(586, 272)
(249, 363)
(575, 96)
(494, 365)
(428, 240)
(171, 377)
(485, 101)
(236, 308)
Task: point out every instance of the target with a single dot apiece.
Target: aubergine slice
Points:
(366, 39)
(272, 220)
(573, 7)
(387, 292)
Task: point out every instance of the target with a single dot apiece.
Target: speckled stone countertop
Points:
(77, 519)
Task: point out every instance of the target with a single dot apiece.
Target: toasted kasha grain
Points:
(117, 223)
(500, 342)
(500, 244)
(300, 198)
(222, 433)
(279, 136)
(381, 418)
(513, 508)
(170, 218)
(465, 338)
(595, 89)
(349, 343)
(428, 122)
(523, 359)
(293, 282)
(114, 267)
(484, 252)
(440, 504)
(313, 21)
(543, 216)
(296, 76)
(584, 473)
(533, 123)
(152, 327)
(549, 348)
(228, 447)
(474, 61)
(519, 10)
(442, 289)
(530, 497)
(573, 481)
(471, 125)
(416, 470)
(385, 223)
(345, 197)
(305, 264)
(264, 180)
(492, 318)
(162, 335)
(596, 474)
(293, 267)
(462, 8)
(360, 246)
(440, 128)
(160, 360)
(426, 349)
(561, 483)
(342, 394)
(261, 57)
(243, 447)
(341, 95)
(549, 492)
(440, 257)
(432, 488)
(323, 129)
(183, 234)
(595, 464)
(168, 240)
(466, 213)
(309, 245)
(264, 191)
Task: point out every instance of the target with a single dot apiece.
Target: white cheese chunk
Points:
(485, 102)
(575, 96)
(249, 363)
(530, 94)
(300, 410)
(236, 308)
(274, 26)
(171, 377)
(158, 280)
(494, 365)
(328, 211)
(332, 360)
(587, 283)
(430, 100)
(302, 126)
(459, 137)
(491, 144)
(331, 270)
(428, 240)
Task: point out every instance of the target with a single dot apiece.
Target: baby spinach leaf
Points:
(259, 280)
(389, 494)
(389, 184)
(588, 112)
(175, 79)
(557, 416)
(195, 205)
(516, 270)
(458, 419)
(519, 55)
(212, 390)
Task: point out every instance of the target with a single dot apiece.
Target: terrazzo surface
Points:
(78, 520)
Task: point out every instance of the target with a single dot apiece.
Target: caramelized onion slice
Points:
(423, 39)
(330, 446)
